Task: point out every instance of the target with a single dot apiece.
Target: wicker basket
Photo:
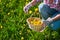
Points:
(38, 28)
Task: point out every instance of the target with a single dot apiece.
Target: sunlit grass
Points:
(13, 25)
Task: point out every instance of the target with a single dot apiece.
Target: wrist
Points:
(53, 19)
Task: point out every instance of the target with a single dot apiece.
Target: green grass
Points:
(13, 24)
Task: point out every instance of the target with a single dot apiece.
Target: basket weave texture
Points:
(37, 26)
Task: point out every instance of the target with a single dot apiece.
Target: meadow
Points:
(13, 25)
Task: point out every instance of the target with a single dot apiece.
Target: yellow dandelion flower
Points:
(36, 9)
(30, 12)
(31, 22)
(1, 26)
(27, 0)
(20, 32)
(0, 0)
(8, 13)
(36, 22)
(22, 38)
(26, 3)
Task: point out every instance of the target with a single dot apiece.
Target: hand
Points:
(47, 22)
(26, 8)
(50, 20)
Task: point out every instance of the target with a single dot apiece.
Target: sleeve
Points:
(59, 2)
(39, 0)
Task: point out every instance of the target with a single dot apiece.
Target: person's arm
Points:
(34, 2)
(30, 4)
(50, 20)
(57, 17)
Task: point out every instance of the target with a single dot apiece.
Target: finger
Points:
(27, 11)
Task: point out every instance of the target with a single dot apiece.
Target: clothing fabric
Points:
(52, 3)
(46, 12)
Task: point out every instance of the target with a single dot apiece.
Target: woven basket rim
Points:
(31, 25)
